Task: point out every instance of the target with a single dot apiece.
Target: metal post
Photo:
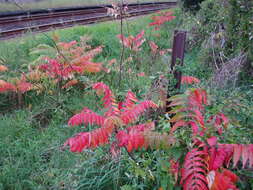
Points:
(178, 54)
(177, 59)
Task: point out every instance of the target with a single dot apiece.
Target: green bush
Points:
(191, 5)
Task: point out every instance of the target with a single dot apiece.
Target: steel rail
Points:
(18, 23)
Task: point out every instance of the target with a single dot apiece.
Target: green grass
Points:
(45, 4)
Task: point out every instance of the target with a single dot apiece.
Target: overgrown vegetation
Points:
(127, 141)
(191, 5)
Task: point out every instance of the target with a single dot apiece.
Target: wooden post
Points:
(177, 59)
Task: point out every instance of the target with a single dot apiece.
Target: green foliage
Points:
(239, 33)
(191, 5)
(222, 31)
(211, 18)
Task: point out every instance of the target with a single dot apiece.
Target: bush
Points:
(222, 30)
(192, 5)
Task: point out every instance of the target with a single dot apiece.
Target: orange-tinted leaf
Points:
(179, 116)
(3, 68)
(23, 86)
(70, 83)
(189, 80)
(153, 46)
(5, 86)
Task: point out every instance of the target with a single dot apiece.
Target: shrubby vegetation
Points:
(191, 5)
(127, 140)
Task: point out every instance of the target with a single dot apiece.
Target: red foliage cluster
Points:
(134, 137)
(153, 47)
(5, 86)
(131, 42)
(161, 19)
(188, 111)
(72, 58)
(195, 169)
(3, 68)
(117, 115)
(222, 180)
(218, 121)
(189, 80)
(20, 86)
(203, 166)
(225, 152)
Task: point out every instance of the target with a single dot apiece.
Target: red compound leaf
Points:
(3, 68)
(174, 168)
(91, 139)
(162, 18)
(197, 99)
(67, 45)
(219, 121)
(153, 47)
(23, 86)
(70, 83)
(130, 101)
(108, 99)
(132, 42)
(195, 128)
(189, 80)
(141, 127)
(86, 118)
(6, 86)
(194, 170)
(130, 116)
(217, 157)
(222, 181)
(132, 140)
(178, 124)
(237, 152)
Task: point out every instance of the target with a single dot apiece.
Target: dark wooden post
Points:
(177, 59)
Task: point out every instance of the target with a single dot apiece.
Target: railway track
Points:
(18, 23)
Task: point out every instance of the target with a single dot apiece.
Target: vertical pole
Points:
(177, 59)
